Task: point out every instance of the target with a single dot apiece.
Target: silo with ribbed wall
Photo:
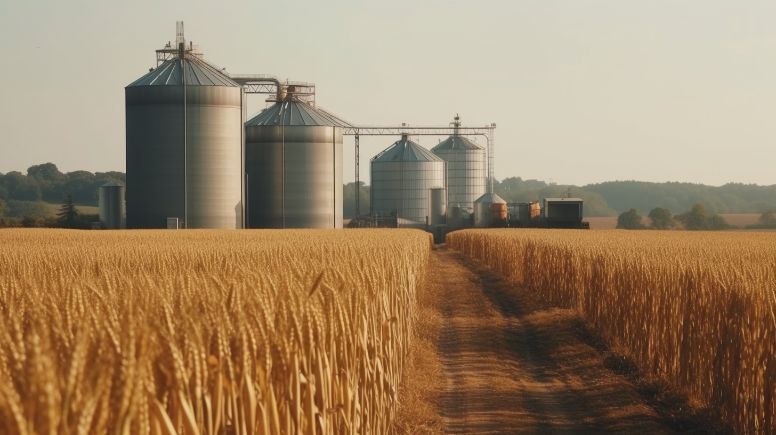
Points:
(466, 169)
(293, 164)
(402, 177)
(184, 144)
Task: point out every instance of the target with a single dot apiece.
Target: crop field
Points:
(694, 309)
(205, 332)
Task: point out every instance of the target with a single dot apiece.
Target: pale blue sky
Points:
(582, 91)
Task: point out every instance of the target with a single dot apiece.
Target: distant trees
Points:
(630, 220)
(515, 189)
(767, 220)
(661, 218)
(730, 198)
(45, 182)
(67, 215)
(698, 219)
(349, 199)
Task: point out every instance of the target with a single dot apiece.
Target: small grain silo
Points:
(402, 177)
(184, 124)
(466, 169)
(111, 206)
(490, 210)
(293, 164)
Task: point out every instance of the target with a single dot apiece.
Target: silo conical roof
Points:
(456, 143)
(405, 150)
(490, 198)
(196, 71)
(292, 113)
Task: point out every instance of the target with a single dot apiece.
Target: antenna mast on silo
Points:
(179, 38)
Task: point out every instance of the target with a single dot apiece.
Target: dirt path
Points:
(512, 366)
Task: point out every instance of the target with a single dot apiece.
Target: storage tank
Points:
(466, 168)
(184, 125)
(438, 205)
(293, 164)
(402, 177)
(490, 211)
(111, 202)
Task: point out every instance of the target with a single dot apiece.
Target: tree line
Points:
(45, 182)
(21, 194)
(696, 219)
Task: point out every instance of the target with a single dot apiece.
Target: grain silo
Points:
(184, 123)
(111, 206)
(293, 162)
(402, 177)
(490, 210)
(466, 169)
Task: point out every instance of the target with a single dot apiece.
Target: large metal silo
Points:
(184, 123)
(466, 169)
(402, 178)
(111, 206)
(293, 162)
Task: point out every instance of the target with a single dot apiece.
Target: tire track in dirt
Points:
(513, 366)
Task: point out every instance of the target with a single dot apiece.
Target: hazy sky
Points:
(582, 91)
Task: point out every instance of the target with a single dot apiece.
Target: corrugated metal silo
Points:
(490, 210)
(184, 122)
(111, 202)
(466, 169)
(293, 161)
(402, 177)
(438, 205)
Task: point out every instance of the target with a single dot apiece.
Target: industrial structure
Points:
(563, 213)
(184, 133)
(293, 165)
(465, 168)
(490, 210)
(402, 177)
(111, 206)
(194, 162)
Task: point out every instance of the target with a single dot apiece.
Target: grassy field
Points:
(205, 332)
(694, 309)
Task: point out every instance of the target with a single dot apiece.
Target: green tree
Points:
(661, 218)
(21, 187)
(698, 219)
(717, 222)
(349, 199)
(768, 219)
(49, 180)
(629, 220)
(67, 214)
(3, 208)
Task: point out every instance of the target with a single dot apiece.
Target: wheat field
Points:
(694, 309)
(205, 332)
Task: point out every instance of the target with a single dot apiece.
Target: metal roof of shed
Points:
(563, 199)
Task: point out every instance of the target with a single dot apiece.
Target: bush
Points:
(630, 220)
(697, 219)
(661, 218)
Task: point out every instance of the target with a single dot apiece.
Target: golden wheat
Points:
(205, 332)
(696, 309)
